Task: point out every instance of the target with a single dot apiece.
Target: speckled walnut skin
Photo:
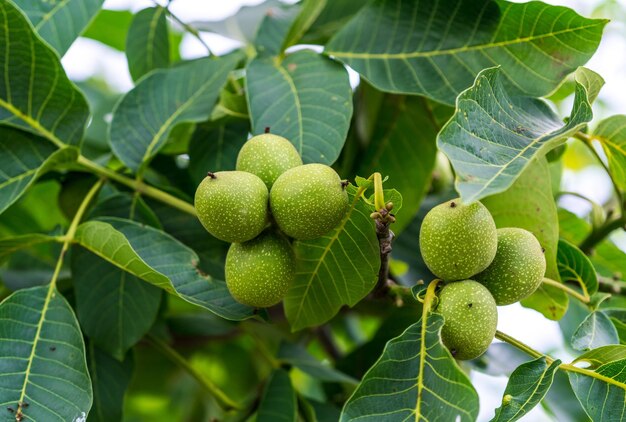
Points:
(471, 318)
(458, 241)
(232, 205)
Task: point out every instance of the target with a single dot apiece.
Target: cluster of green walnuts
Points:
(483, 267)
(270, 198)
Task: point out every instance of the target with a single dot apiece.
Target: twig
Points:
(566, 289)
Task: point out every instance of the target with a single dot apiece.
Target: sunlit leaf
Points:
(110, 27)
(611, 133)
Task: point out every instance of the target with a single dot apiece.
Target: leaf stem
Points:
(521, 346)
(583, 298)
(597, 235)
(193, 31)
(222, 399)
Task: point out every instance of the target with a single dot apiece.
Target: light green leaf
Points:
(60, 22)
(309, 12)
(41, 100)
(110, 27)
(604, 354)
(334, 270)
(416, 378)
(23, 159)
(147, 42)
(156, 257)
(571, 227)
(42, 356)
(146, 115)
(618, 318)
(575, 266)
(611, 133)
(493, 135)
(603, 399)
(529, 204)
(115, 308)
(110, 379)
(296, 355)
(288, 97)
(279, 399)
(527, 386)
(403, 147)
(591, 80)
(595, 331)
(436, 48)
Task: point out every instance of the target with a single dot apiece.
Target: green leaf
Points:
(287, 97)
(575, 266)
(403, 148)
(415, 378)
(333, 17)
(591, 80)
(604, 354)
(147, 42)
(603, 398)
(41, 100)
(436, 48)
(24, 159)
(279, 399)
(337, 269)
(298, 356)
(110, 27)
(60, 22)
(309, 12)
(611, 133)
(571, 227)
(42, 356)
(115, 309)
(110, 379)
(595, 331)
(145, 116)
(561, 401)
(9, 245)
(529, 204)
(527, 386)
(618, 318)
(274, 28)
(156, 257)
(493, 135)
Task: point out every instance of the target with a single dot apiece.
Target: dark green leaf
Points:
(60, 23)
(611, 133)
(297, 356)
(493, 135)
(604, 354)
(332, 18)
(146, 115)
(279, 399)
(290, 98)
(437, 48)
(41, 100)
(529, 204)
(618, 318)
(110, 379)
(527, 386)
(147, 43)
(273, 30)
(562, 402)
(309, 12)
(415, 378)
(10, 245)
(337, 269)
(42, 356)
(110, 28)
(575, 266)
(595, 331)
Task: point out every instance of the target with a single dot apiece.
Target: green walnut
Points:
(518, 268)
(232, 205)
(260, 271)
(470, 316)
(268, 156)
(308, 201)
(458, 241)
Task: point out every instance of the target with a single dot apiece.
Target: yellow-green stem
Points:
(379, 196)
(583, 298)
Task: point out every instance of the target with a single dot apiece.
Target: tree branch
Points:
(599, 234)
(583, 298)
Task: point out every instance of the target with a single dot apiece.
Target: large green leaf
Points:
(298, 356)
(110, 379)
(274, 28)
(110, 27)
(605, 354)
(23, 159)
(334, 270)
(529, 204)
(611, 133)
(156, 257)
(115, 308)
(415, 378)
(493, 135)
(60, 22)
(279, 399)
(403, 147)
(306, 98)
(603, 399)
(146, 115)
(41, 100)
(576, 266)
(436, 48)
(42, 358)
(309, 13)
(595, 331)
(332, 18)
(527, 386)
(147, 43)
